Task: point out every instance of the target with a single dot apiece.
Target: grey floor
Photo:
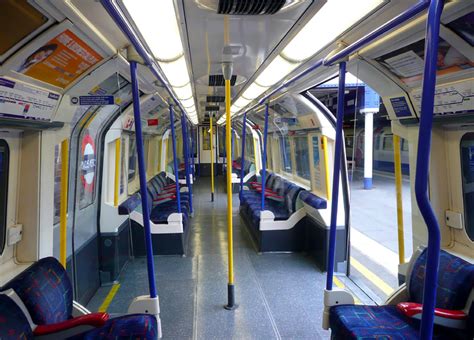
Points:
(279, 295)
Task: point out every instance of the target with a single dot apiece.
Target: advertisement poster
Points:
(60, 61)
(407, 63)
(23, 100)
(206, 139)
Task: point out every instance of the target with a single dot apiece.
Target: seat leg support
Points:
(335, 297)
(146, 305)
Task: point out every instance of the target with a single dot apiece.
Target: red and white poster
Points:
(88, 163)
(60, 61)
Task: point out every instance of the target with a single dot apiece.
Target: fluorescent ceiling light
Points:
(187, 102)
(275, 71)
(335, 17)
(157, 22)
(183, 93)
(253, 91)
(191, 109)
(176, 72)
(241, 102)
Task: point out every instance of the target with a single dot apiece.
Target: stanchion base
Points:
(231, 298)
(212, 197)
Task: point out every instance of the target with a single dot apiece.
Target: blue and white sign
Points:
(371, 101)
(400, 107)
(93, 100)
(21, 99)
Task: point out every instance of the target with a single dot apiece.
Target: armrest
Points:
(273, 195)
(444, 317)
(163, 198)
(93, 319)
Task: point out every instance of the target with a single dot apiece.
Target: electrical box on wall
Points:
(15, 233)
(454, 219)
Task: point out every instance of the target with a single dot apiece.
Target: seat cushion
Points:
(135, 326)
(45, 290)
(13, 323)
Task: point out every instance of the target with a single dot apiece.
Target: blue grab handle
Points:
(422, 167)
(186, 154)
(175, 158)
(142, 177)
(264, 158)
(336, 176)
(242, 159)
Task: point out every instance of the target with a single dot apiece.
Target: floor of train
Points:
(279, 295)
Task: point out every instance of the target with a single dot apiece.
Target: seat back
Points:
(455, 281)
(13, 323)
(46, 291)
(290, 197)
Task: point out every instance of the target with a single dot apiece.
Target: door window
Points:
(467, 168)
(4, 161)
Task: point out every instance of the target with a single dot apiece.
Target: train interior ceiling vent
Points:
(238, 7)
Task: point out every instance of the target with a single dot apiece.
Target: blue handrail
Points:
(175, 158)
(193, 161)
(422, 167)
(142, 177)
(242, 159)
(198, 151)
(337, 174)
(186, 161)
(264, 158)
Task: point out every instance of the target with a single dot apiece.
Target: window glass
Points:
(388, 142)
(249, 145)
(57, 182)
(302, 157)
(123, 164)
(286, 154)
(4, 160)
(87, 167)
(467, 168)
(404, 145)
(132, 158)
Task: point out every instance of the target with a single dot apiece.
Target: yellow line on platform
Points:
(341, 285)
(108, 299)
(377, 281)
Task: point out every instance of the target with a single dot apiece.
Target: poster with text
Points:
(60, 61)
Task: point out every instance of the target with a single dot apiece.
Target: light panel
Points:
(335, 17)
(184, 92)
(176, 72)
(187, 103)
(157, 23)
(241, 102)
(275, 71)
(254, 91)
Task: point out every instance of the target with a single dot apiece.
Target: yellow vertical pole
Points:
(212, 158)
(398, 188)
(117, 172)
(228, 144)
(63, 202)
(326, 166)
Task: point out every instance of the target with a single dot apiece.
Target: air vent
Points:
(247, 7)
(233, 50)
(212, 108)
(218, 80)
(215, 99)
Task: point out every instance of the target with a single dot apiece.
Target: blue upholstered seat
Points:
(455, 282)
(13, 323)
(46, 291)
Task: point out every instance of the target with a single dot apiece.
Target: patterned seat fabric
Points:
(135, 326)
(455, 282)
(45, 290)
(13, 324)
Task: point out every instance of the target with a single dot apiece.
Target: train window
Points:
(467, 168)
(87, 168)
(388, 142)
(377, 142)
(19, 19)
(57, 182)
(249, 146)
(404, 145)
(286, 154)
(302, 157)
(4, 162)
(132, 158)
(123, 164)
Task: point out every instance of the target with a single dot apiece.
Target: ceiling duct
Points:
(218, 80)
(247, 7)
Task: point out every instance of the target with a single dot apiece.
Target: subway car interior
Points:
(224, 169)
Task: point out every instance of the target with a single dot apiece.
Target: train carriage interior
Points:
(223, 169)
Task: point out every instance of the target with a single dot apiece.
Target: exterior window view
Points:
(223, 169)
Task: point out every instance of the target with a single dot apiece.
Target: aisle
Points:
(279, 295)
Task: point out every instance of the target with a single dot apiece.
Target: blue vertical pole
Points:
(422, 168)
(233, 144)
(186, 160)
(142, 177)
(193, 145)
(242, 159)
(175, 158)
(336, 174)
(264, 157)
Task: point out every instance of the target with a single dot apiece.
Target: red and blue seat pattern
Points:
(46, 292)
(455, 284)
